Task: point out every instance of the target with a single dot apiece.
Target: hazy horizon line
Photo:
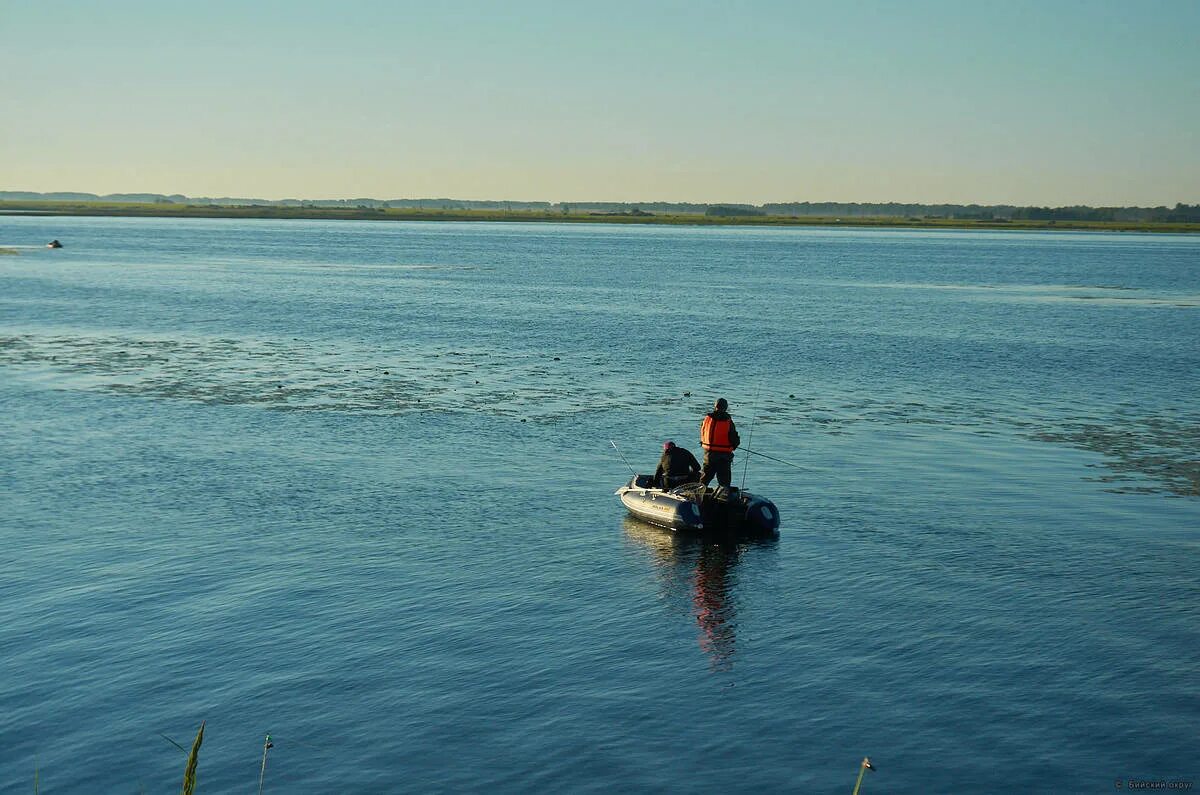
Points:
(562, 202)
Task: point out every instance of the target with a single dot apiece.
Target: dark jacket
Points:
(676, 461)
(734, 440)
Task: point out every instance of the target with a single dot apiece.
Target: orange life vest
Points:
(714, 435)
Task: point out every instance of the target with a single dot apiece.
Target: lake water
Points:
(352, 484)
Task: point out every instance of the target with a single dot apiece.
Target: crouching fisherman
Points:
(719, 438)
(676, 466)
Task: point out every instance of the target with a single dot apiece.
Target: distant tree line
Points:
(1186, 213)
(996, 212)
(1180, 213)
(732, 211)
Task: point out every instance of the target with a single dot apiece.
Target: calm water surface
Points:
(351, 484)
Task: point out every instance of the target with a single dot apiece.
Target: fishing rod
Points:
(771, 458)
(753, 420)
(618, 449)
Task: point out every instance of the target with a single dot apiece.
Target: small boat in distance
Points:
(54, 244)
(697, 508)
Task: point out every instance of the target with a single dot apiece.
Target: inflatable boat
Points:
(696, 508)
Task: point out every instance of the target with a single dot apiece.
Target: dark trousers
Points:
(671, 481)
(719, 464)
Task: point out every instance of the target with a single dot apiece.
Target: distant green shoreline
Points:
(165, 210)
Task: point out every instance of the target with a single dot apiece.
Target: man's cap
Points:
(721, 404)
(667, 445)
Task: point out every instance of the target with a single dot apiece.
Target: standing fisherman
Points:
(719, 438)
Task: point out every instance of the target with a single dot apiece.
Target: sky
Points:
(1054, 102)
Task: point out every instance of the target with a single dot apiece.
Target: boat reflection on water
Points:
(698, 575)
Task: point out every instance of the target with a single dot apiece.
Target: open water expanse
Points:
(351, 484)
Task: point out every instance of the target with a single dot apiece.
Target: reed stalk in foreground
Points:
(267, 745)
(863, 768)
(189, 773)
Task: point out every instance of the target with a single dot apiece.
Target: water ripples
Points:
(1141, 453)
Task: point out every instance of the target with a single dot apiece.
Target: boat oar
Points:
(618, 449)
(770, 457)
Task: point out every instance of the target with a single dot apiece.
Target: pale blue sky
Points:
(990, 102)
